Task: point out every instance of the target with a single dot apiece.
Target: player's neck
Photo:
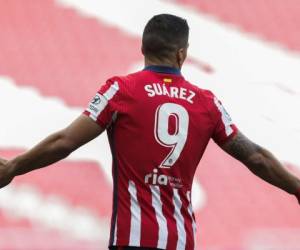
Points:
(167, 63)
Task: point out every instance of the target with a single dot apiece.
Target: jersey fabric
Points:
(131, 248)
(158, 126)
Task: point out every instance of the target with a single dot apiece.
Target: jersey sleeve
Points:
(105, 103)
(224, 128)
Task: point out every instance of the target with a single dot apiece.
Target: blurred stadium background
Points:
(54, 55)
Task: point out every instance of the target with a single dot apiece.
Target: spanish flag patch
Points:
(168, 80)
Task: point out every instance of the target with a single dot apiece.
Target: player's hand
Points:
(5, 174)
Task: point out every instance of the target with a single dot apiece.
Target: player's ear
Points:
(181, 56)
(142, 50)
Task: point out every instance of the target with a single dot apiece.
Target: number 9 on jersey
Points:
(177, 140)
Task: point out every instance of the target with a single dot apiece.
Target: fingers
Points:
(2, 185)
(5, 179)
(5, 183)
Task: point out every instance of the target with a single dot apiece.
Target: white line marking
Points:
(52, 212)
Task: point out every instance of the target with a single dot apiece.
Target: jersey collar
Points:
(163, 69)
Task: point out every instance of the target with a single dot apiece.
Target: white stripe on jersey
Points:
(226, 119)
(179, 221)
(100, 102)
(190, 209)
(115, 232)
(135, 223)
(161, 220)
(112, 91)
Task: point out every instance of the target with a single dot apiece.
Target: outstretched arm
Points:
(52, 149)
(262, 163)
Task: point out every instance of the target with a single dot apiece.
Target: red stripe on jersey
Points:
(188, 222)
(191, 219)
(148, 218)
(168, 211)
(123, 214)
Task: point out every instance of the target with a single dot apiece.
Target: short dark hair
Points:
(163, 35)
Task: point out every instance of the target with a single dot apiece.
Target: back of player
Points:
(159, 126)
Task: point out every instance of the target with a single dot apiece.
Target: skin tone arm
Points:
(52, 149)
(262, 163)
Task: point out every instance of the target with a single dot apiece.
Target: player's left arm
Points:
(257, 159)
(52, 149)
(262, 163)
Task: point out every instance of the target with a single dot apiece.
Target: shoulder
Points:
(122, 85)
(205, 96)
(204, 93)
(126, 80)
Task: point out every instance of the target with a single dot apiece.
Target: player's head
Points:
(165, 39)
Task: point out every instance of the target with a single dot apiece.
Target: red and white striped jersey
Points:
(158, 126)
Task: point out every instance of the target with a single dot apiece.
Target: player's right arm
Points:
(262, 163)
(52, 149)
(59, 145)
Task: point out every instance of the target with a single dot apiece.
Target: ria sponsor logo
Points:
(155, 179)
